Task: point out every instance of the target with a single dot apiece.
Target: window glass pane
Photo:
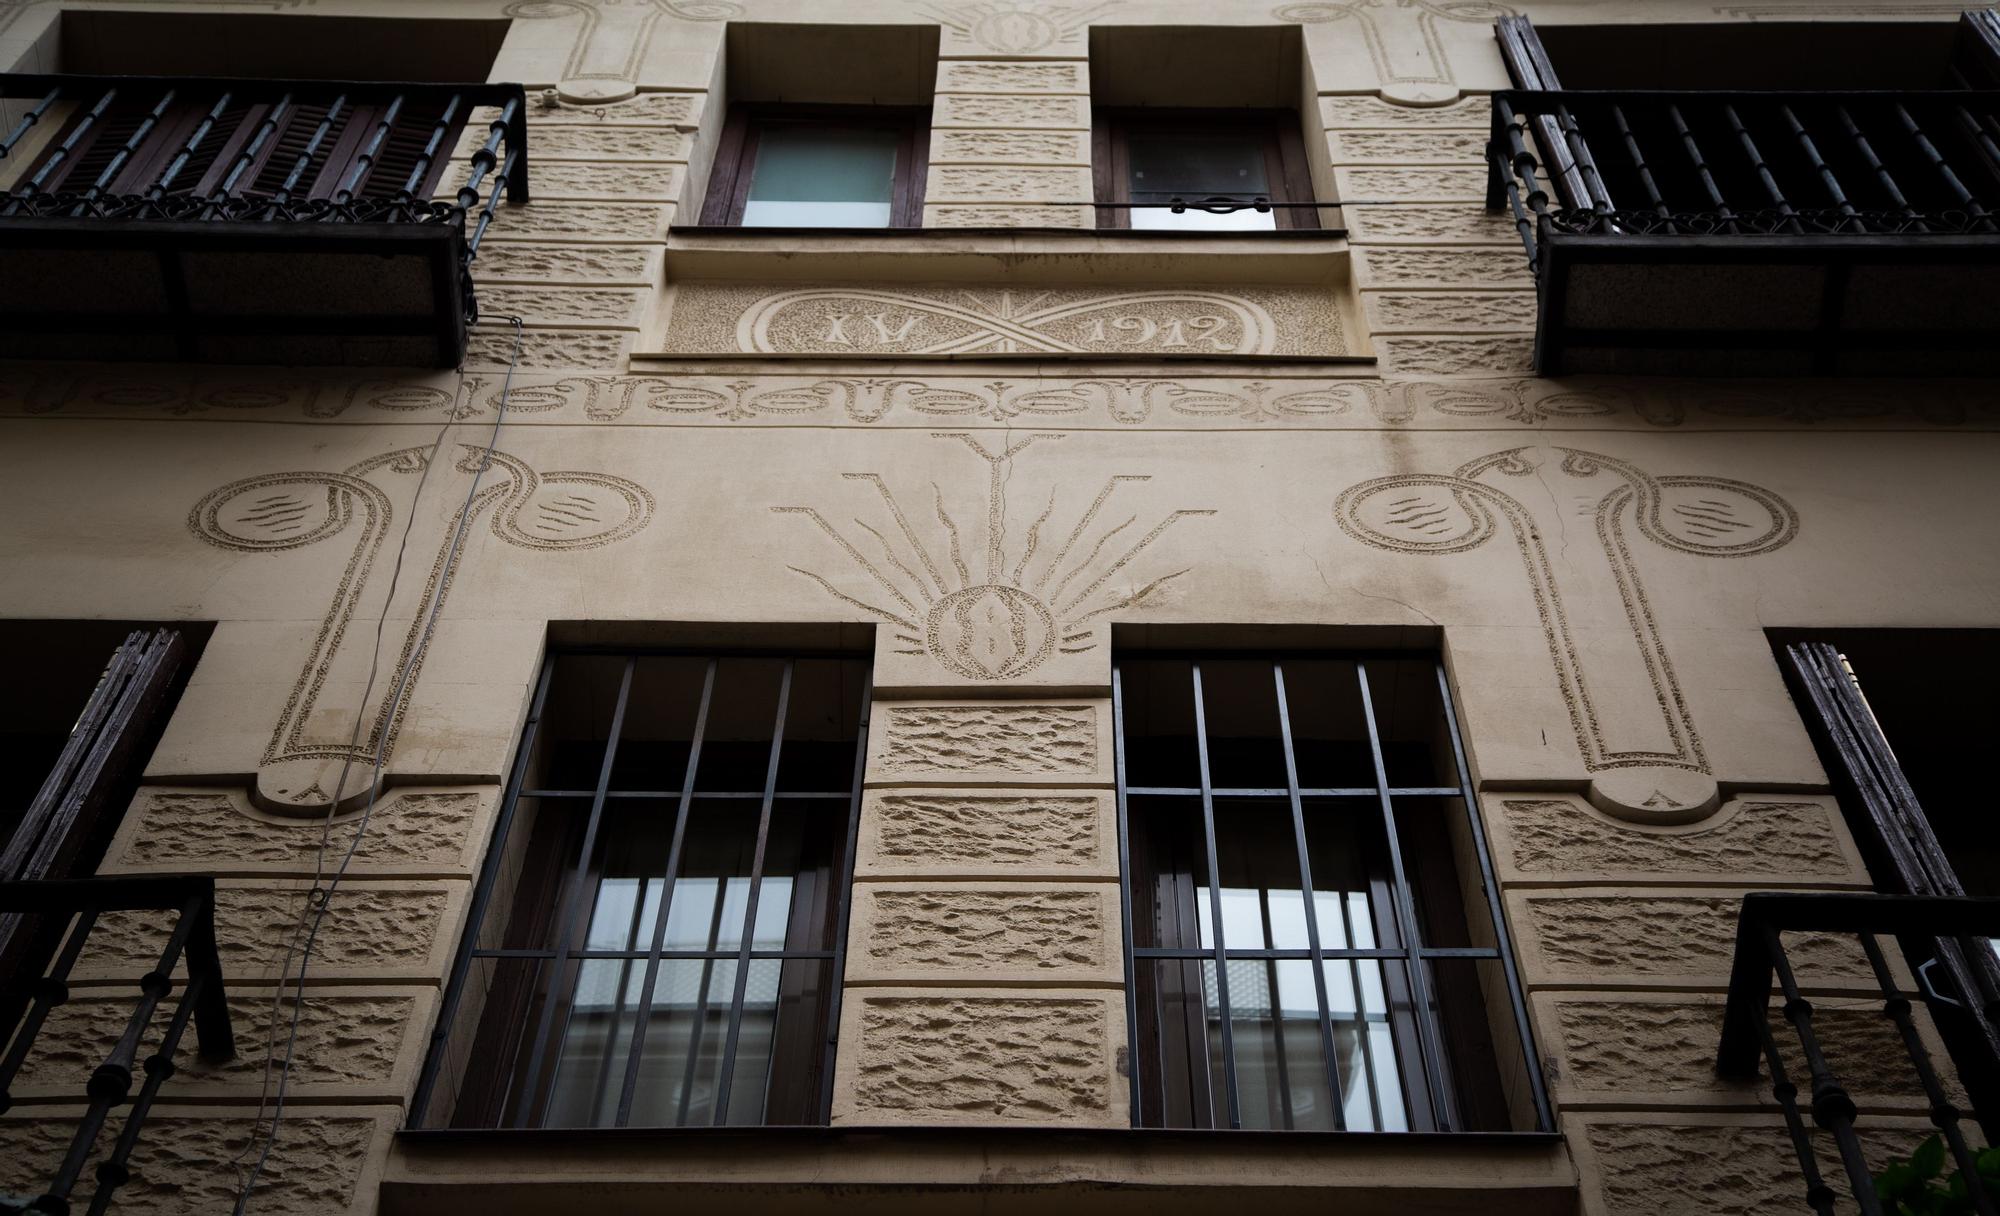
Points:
(822, 176)
(1280, 1056)
(1166, 165)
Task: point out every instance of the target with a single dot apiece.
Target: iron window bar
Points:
(1412, 952)
(241, 153)
(1748, 1041)
(1764, 164)
(556, 960)
(29, 998)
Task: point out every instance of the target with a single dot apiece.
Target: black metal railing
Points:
(260, 152)
(27, 999)
(1701, 164)
(1931, 930)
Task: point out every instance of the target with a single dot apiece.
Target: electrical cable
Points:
(320, 894)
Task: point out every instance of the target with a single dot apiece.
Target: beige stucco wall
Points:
(1640, 762)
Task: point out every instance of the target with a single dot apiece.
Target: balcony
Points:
(1769, 234)
(247, 221)
(1949, 941)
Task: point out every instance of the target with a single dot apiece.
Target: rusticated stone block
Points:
(1748, 840)
(1054, 833)
(1718, 1166)
(433, 833)
(1408, 355)
(1608, 938)
(505, 262)
(991, 933)
(1447, 268)
(1413, 183)
(986, 110)
(607, 306)
(993, 76)
(1411, 147)
(1469, 113)
(981, 1056)
(183, 1163)
(1012, 183)
(352, 1043)
(1653, 1050)
(1010, 147)
(547, 144)
(1448, 312)
(574, 180)
(556, 221)
(491, 348)
(371, 931)
(1442, 224)
(975, 216)
(645, 110)
(993, 743)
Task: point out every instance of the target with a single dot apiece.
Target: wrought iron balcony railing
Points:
(165, 217)
(1834, 231)
(26, 1000)
(1942, 936)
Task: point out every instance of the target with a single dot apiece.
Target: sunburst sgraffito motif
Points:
(982, 605)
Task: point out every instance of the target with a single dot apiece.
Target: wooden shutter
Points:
(1528, 64)
(1975, 53)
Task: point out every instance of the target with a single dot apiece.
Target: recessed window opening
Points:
(662, 933)
(1313, 946)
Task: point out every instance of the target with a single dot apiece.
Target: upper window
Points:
(1201, 170)
(1311, 923)
(660, 924)
(820, 167)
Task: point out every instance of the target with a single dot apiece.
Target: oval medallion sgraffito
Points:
(990, 633)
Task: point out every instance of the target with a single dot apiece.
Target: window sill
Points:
(1014, 1169)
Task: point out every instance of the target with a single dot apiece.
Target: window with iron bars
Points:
(1311, 916)
(657, 937)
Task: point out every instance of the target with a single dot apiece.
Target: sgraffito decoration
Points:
(964, 591)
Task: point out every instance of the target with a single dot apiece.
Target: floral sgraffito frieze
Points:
(953, 582)
(950, 321)
(278, 512)
(1437, 514)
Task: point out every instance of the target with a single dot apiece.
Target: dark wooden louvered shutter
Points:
(402, 148)
(98, 145)
(1528, 64)
(1975, 53)
(287, 144)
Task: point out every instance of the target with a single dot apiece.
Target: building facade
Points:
(1126, 605)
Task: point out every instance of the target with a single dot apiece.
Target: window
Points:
(820, 167)
(657, 939)
(1235, 160)
(1341, 970)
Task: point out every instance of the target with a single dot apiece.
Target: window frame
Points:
(1285, 161)
(736, 157)
(1413, 899)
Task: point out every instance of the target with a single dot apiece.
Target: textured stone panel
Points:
(343, 1040)
(611, 306)
(1678, 940)
(1024, 739)
(974, 216)
(571, 180)
(1448, 312)
(1546, 836)
(1718, 1169)
(980, 110)
(1615, 1051)
(555, 221)
(1425, 356)
(491, 348)
(211, 832)
(181, 1166)
(986, 934)
(1439, 224)
(1459, 268)
(979, 183)
(1413, 183)
(547, 144)
(505, 262)
(953, 832)
(369, 930)
(994, 1058)
(1469, 113)
(1010, 147)
(647, 109)
(1413, 147)
(976, 76)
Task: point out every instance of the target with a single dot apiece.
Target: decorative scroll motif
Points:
(852, 320)
(983, 607)
(276, 512)
(1012, 27)
(1437, 514)
(1386, 30)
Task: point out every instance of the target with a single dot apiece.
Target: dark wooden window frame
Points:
(736, 155)
(1285, 160)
